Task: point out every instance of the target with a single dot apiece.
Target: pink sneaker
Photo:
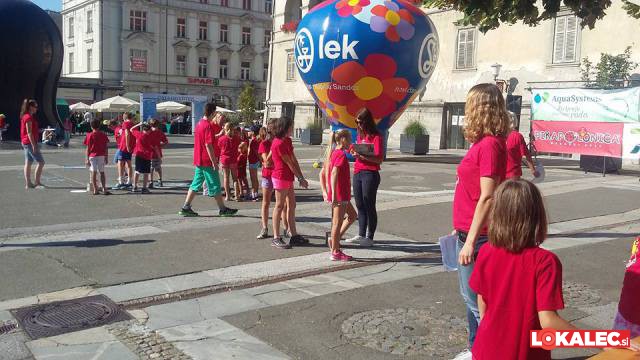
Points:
(340, 256)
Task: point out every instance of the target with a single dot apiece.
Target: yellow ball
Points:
(316, 165)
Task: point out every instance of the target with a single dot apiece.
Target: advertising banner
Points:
(570, 137)
(631, 141)
(138, 64)
(586, 105)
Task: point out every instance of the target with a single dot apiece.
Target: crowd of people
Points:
(509, 284)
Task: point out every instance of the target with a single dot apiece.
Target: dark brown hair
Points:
(209, 109)
(518, 217)
(281, 126)
(366, 124)
(95, 124)
(154, 123)
(26, 104)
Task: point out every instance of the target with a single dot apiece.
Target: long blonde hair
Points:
(485, 113)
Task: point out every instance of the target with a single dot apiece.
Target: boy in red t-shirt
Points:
(97, 156)
(243, 150)
(253, 157)
(144, 150)
(519, 284)
(126, 145)
(159, 140)
(3, 126)
(229, 161)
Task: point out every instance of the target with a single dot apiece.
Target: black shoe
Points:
(187, 212)
(298, 240)
(280, 244)
(151, 186)
(145, 191)
(228, 212)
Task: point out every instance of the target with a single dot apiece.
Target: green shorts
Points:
(210, 176)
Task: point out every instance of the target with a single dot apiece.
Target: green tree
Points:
(247, 104)
(612, 71)
(488, 15)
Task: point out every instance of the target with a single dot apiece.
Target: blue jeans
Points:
(365, 189)
(468, 295)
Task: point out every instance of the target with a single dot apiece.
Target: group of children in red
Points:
(144, 140)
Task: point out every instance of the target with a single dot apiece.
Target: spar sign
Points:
(585, 121)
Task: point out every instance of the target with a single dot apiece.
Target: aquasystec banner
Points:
(570, 137)
(617, 105)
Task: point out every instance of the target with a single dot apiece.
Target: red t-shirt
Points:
(35, 129)
(144, 145)
(203, 135)
(228, 150)
(516, 149)
(343, 186)
(279, 147)
(515, 288)
(159, 139)
(629, 305)
(96, 141)
(254, 145)
(486, 158)
(242, 164)
(122, 144)
(378, 147)
(265, 148)
(116, 133)
(1, 122)
(215, 128)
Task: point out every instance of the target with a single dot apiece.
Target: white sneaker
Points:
(355, 240)
(465, 355)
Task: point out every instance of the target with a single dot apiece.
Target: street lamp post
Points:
(501, 84)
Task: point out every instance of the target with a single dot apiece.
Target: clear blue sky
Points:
(49, 4)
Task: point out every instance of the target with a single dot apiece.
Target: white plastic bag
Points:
(540, 170)
(449, 252)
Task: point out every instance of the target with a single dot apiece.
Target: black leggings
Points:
(365, 189)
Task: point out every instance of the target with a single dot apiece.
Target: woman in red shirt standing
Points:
(516, 149)
(29, 133)
(285, 167)
(366, 178)
(480, 172)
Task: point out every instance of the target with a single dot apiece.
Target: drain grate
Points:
(7, 327)
(68, 316)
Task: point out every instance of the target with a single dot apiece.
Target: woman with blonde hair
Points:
(482, 169)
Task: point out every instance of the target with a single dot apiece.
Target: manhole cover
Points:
(68, 316)
(577, 295)
(407, 332)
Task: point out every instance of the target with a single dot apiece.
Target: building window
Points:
(137, 20)
(245, 70)
(224, 3)
(465, 54)
(291, 66)
(181, 28)
(267, 37)
(70, 28)
(246, 36)
(203, 30)
(70, 63)
(89, 59)
(246, 4)
(565, 39)
(268, 6)
(181, 65)
(223, 68)
(138, 60)
(204, 1)
(202, 66)
(265, 71)
(89, 22)
(224, 33)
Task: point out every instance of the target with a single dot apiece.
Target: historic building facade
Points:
(196, 47)
(519, 57)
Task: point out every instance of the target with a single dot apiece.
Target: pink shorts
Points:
(620, 323)
(279, 184)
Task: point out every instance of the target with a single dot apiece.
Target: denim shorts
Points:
(122, 156)
(30, 156)
(255, 165)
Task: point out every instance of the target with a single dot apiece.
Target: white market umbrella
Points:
(115, 104)
(221, 109)
(172, 107)
(80, 107)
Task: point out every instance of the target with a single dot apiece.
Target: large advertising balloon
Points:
(377, 54)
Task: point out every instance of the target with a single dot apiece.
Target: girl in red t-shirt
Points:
(519, 284)
(229, 161)
(29, 134)
(254, 160)
(628, 315)
(243, 150)
(285, 169)
(337, 191)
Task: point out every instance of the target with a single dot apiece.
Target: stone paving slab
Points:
(95, 343)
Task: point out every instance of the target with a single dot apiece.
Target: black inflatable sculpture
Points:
(30, 62)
